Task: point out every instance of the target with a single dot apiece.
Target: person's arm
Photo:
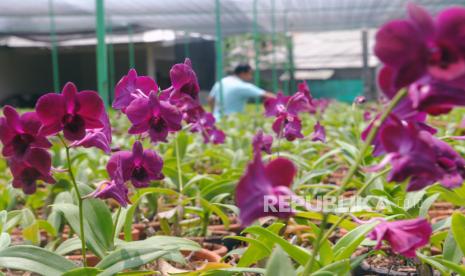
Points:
(269, 95)
(253, 91)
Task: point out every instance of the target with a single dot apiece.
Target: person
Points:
(237, 90)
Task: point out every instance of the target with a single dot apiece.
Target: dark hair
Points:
(242, 68)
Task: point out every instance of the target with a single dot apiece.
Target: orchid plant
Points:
(312, 192)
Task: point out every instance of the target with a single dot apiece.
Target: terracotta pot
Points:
(437, 219)
(155, 225)
(92, 260)
(141, 227)
(203, 255)
(440, 213)
(442, 206)
(134, 235)
(214, 247)
(234, 227)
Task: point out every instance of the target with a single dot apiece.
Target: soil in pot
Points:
(387, 264)
(217, 237)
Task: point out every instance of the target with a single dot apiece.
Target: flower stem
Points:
(178, 164)
(371, 136)
(80, 200)
(115, 235)
(353, 169)
(316, 247)
(180, 211)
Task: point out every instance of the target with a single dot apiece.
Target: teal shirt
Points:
(236, 93)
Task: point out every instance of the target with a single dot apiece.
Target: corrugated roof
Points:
(30, 18)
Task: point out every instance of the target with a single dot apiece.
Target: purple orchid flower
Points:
(70, 111)
(420, 45)
(139, 166)
(319, 133)
(288, 126)
(304, 89)
(155, 116)
(99, 137)
(19, 134)
(404, 236)
(292, 105)
(114, 188)
(131, 87)
(418, 156)
(367, 116)
(404, 111)
(214, 135)
(359, 100)
(204, 123)
(184, 90)
(264, 186)
(437, 97)
(36, 165)
(262, 142)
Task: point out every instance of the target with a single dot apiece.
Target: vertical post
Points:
(366, 76)
(111, 60)
(102, 66)
(290, 52)
(150, 61)
(219, 53)
(274, 73)
(132, 63)
(186, 45)
(256, 44)
(53, 40)
(287, 63)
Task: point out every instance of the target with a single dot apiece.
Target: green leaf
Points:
(413, 198)
(427, 204)
(34, 259)
(98, 225)
(235, 271)
(442, 265)
(3, 220)
(279, 264)
(346, 246)
(5, 240)
(68, 246)
(256, 253)
(259, 244)
(31, 233)
(123, 259)
(141, 193)
(297, 253)
(45, 225)
(460, 269)
(457, 226)
(341, 267)
(137, 253)
(451, 251)
(451, 196)
(83, 271)
(183, 141)
(325, 156)
(215, 209)
(346, 224)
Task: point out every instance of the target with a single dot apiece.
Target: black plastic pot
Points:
(365, 269)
